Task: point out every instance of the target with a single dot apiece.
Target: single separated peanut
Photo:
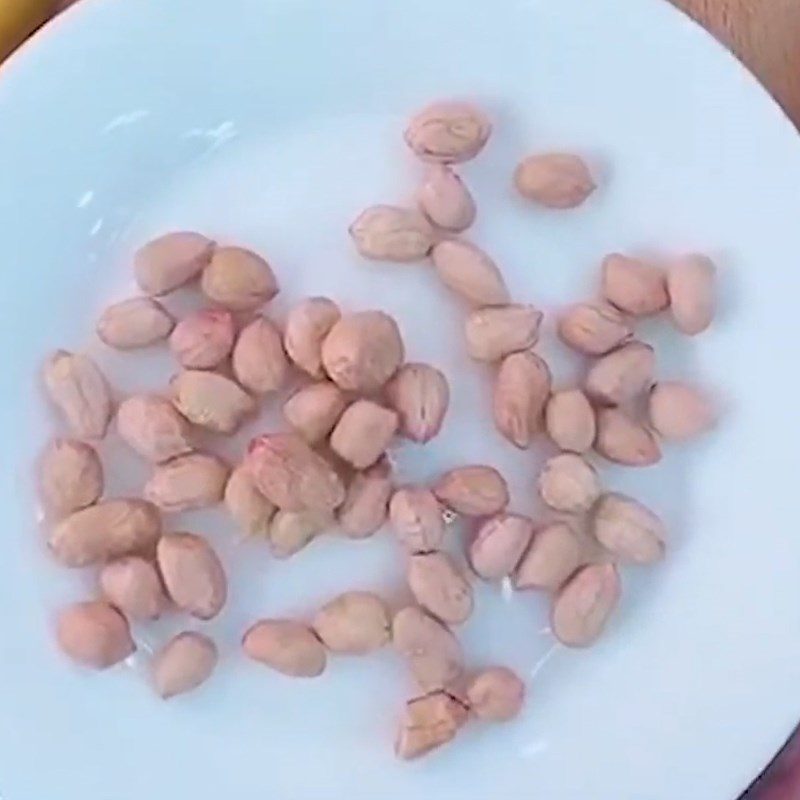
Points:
(287, 646)
(440, 587)
(185, 662)
(250, 510)
(445, 200)
(70, 476)
(210, 400)
(593, 329)
(189, 482)
(692, 293)
(138, 322)
(307, 325)
(469, 272)
(554, 180)
(521, 390)
(110, 529)
(582, 608)
(474, 491)
(420, 395)
(623, 440)
(391, 233)
(203, 339)
(152, 427)
(496, 694)
(314, 410)
(132, 584)
(629, 530)
(365, 507)
(354, 623)
(238, 279)
(170, 261)
(448, 132)
(81, 393)
(622, 375)
(94, 634)
(291, 531)
(193, 574)
(363, 433)
(569, 420)
(417, 519)
(495, 332)
(433, 653)
(634, 287)
(429, 722)
(499, 544)
(679, 411)
(259, 361)
(291, 475)
(569, 483)
(554, 556)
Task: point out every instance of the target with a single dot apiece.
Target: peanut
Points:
(354, 623)
(238, 279)
(189, 482)
(94, 634)
(170, 261)
(193, 574)
(429, 722)
(185, 662)
(499, 544)
(210, 400)
(469, 272)
(634, 287)
(582, 608)
(554, 180)
(445, 200)
(365, 508)
(307, 325)
(132, 585)
(440, 587)
(390, 233)
(287, 646)
(363, 433)
(521, 390)
(628, 530)
(679, 411)
(203, 339)
(474, 491)
(448, 132)
(250, 510)
(152, 427)
(593, 329)
(690, 283)
(553, 557)
(622, 375)
(496, 694)
(569, 420)
(495, 332)
(259, 361)
(138, 322)
(420, 394)
(624, 441)
(417, 519)
(71, 476)
(291, 531)
(569, 483)
(314, 410)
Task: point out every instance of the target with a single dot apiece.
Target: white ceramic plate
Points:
(273, 124)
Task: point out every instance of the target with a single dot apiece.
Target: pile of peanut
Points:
(353, 395)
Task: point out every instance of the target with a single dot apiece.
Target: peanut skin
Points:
(307, 325)
(553, 556)
(470, 273)
(679, 411)
(474, 491)
(238, 279)
(132, 584)
(429, 722)
(354, 623)
(365, 508)
(495, 332)
(291, 531)
(624, 441)
(440, 587)
(185, 662)
(499, 544)
(71, 476)
(582, 608)
(170, 261)
(628, 529)
(94, 634)
(203, 339)
(496, 694)
(569, 420)
(593, 329)
(634, 287)
(210, 400)
(568, 483)
(134, 323)
(259, 361)
(250, 510)
(622, 375)
(692, 293)
(448, 132)
(152, 427)
(363, 433)
(189, 482)
(554, 180)
(416, 517)
(521, 390)
(390, 233)
(445, 200)
(287, 646)
(420, 395)
(314, 410)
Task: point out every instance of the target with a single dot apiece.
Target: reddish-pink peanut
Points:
(420, 394)
(365, 507)
(429, 722)
(593, 328)
(307, 325)
(189, 482)
(440, 587)
(249, 509)
(185, 662)
(692, 293)
(582, 608)
(259, 361)
(568, 483)
(496, 694)
(448, 132)
(469, 272)
(499, 544)
(629, 530)
(70, 476)
(417, 519)
(521, 390)
(391, 233)
(553, 556)
(314, 410)
(286, 646)
(363, 433)
(680, 411)
(569, 420)
(94, 634)
(554, 180)
(622, 375)
(203, 339)
(133, 585)
(170, 261)
(354, 623)
(138, 322)
(445, 200)
(496, 331)
(152, 427)
(633, 286)
(474, 491)
(238, 279)
(210, 400)
(623, 440)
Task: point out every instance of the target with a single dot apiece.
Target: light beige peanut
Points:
(445, 200)
(420, 395)
(307, 325)
(138, 322)
(238, 279)
(593, 329)
(521, 390)
(474, 491)
(354, 623)
(185, 662)
(582, 608)
(499, 544)
(553, 557)
(203, 339)
(287, 646)
(391, 233)
(440, 587)
(417, 519)
(152, 427)
(70, 476)
(81, 393)
(193, 574)
(495, 332)
(94, 634)
(363, 433)
(314, 410)
(362, 351)
(170, 261)
(105, 531)
(210, 400)
(249, 509)
(366, 506)
(568, 483)
(629, 530)
(569, 420)
(448, 132)
(622, 375)
(259, 361)
(291, 475)
(432, 651)
(469, 272)
(291, 531)
(623, 440)
(633, 286)
(132, 584)
(429, 722)
(496, 694)
(554, 180)
(189, 482)
(680, 411)
(692, 293)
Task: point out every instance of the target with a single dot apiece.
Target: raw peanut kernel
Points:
(389, 233)
(314, 410)
(420, 394)
(499, 544)
(210, 400)
(593, 329)
(521, 390)
(133, 323)
(445, 200)
(554, 555)
(204, 339)
(569, 483)
(679, 411)
(288, 647)
(94, 634)
(429, 722)
(250, 510)
(555, 180)
(132, 585)
(354, 623)
(448, 132)
(624, 441)
(496, 694)
(238, 279)
(622, 375)
(71, 476)
(363, 433)
(474, 491)
(634, 287)
(692, 293)
(470, 273)
(417, 519)
(259, 361)
(307, 325)
(582, 608)
(628, 529)
(440, 587)
(185, 662)
(152, 427)
(569, 420)
(170, 261)
(291, 531)
(493, 333)
(365, 508)
(189, 482)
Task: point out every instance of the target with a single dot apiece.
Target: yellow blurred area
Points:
(19, 18)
